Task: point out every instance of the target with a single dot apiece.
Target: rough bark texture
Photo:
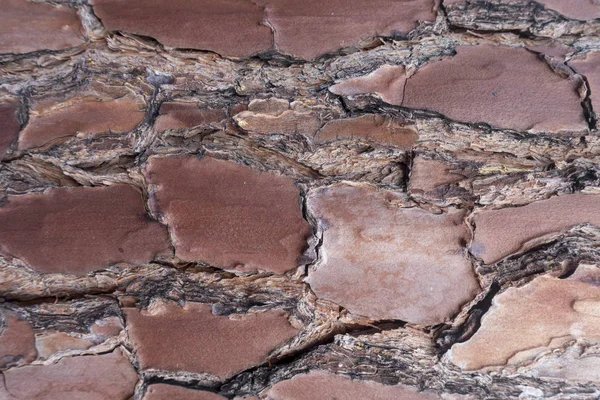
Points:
(299, 200)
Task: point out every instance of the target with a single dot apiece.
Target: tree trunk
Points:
(299, 200)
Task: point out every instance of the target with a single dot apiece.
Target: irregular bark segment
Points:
(387, 262)
(499, 233)
(238, 28)
(387, 81)
(289, 122)
(372, 127)
(576, 9)
(502, 86)
(479, 84)
(229, 27)
(59, 328)
(426, 175)
(9, 126)
(78, 230)
(524, 322)
(102, 377)
(588, 64)
(169, 392)
(175, 115)
(192, 339)
(58, 342)
(49, 343)
(17, 344)
(229, 215)
(327, 386)
(83, 114)
(307, 29)
(271, 106)
(26, 26)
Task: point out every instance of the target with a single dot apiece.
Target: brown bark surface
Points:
(282, 199)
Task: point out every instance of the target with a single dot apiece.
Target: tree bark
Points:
(380, 209)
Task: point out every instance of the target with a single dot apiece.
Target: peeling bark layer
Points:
(275, 199)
